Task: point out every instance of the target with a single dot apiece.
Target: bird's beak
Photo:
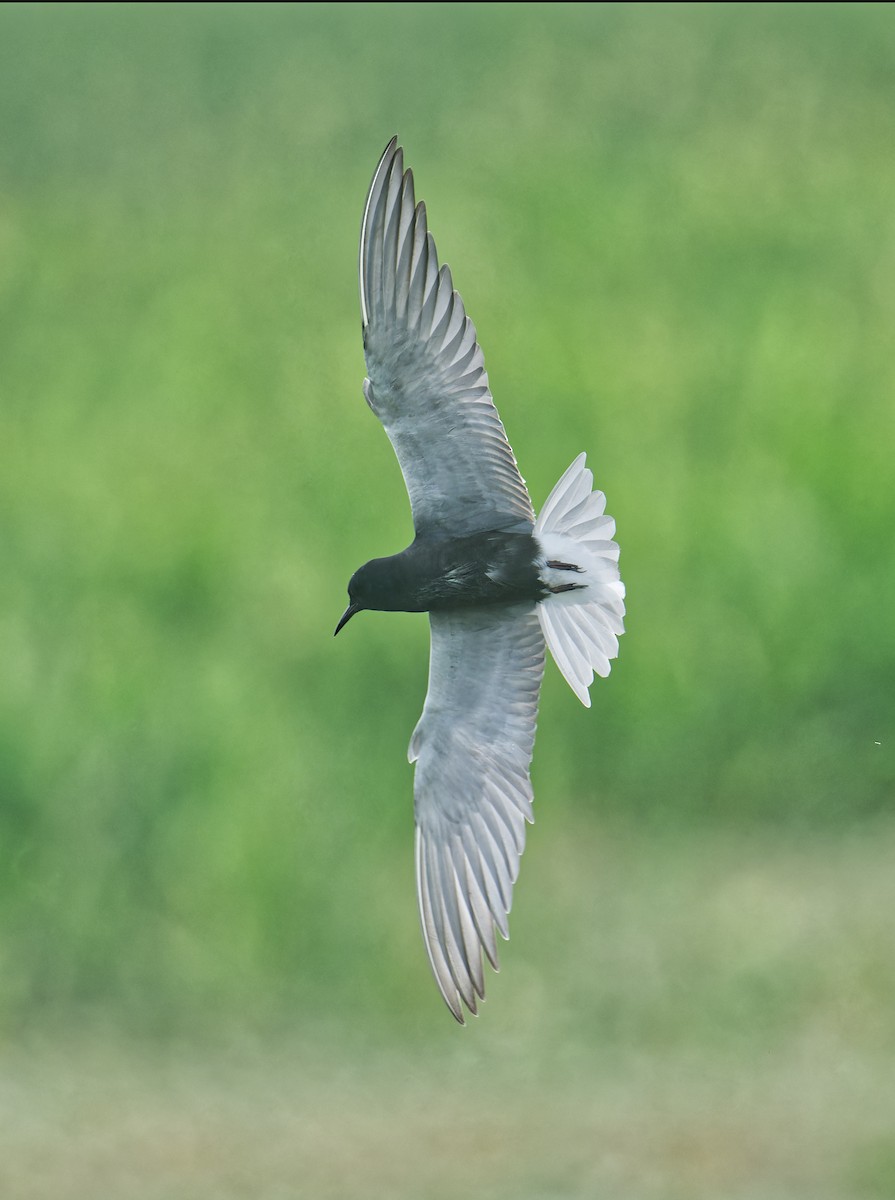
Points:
(347, 615)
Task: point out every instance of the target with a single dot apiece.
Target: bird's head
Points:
(371, 586)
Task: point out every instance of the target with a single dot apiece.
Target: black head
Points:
(374, 585)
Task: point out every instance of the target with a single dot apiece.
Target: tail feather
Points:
(574, 485)
(582, 624)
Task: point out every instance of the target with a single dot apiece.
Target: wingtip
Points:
(391, 151)
(457, 1014)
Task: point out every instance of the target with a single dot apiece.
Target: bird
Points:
(499, 585)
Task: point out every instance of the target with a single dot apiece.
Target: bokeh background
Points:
(674, 227)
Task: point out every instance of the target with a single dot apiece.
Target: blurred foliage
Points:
(674, 228)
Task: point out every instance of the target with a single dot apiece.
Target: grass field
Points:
(695, 1020)
(674, 228)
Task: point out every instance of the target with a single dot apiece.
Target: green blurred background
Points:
(674, 227)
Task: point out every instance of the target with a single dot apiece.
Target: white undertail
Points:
(583, 617)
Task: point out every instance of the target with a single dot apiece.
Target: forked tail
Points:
(582, 617)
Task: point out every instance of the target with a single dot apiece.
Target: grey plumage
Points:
(427, 379)
(497, 585)
(472, 792)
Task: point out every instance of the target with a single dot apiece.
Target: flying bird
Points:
(498, 584)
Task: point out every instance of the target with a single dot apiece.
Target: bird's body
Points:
(498, 584)
(498, 566)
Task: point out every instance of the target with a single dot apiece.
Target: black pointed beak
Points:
(347, 615)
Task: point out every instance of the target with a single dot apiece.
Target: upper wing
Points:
(428, 383)
(472, 792)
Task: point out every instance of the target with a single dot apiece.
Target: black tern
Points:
(496, 582)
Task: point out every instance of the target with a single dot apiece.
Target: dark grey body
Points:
(434, 574)
(437, 573)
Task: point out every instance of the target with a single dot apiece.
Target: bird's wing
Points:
(472, 791)
(427, 380)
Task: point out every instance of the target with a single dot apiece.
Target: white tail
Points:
(582, 619)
